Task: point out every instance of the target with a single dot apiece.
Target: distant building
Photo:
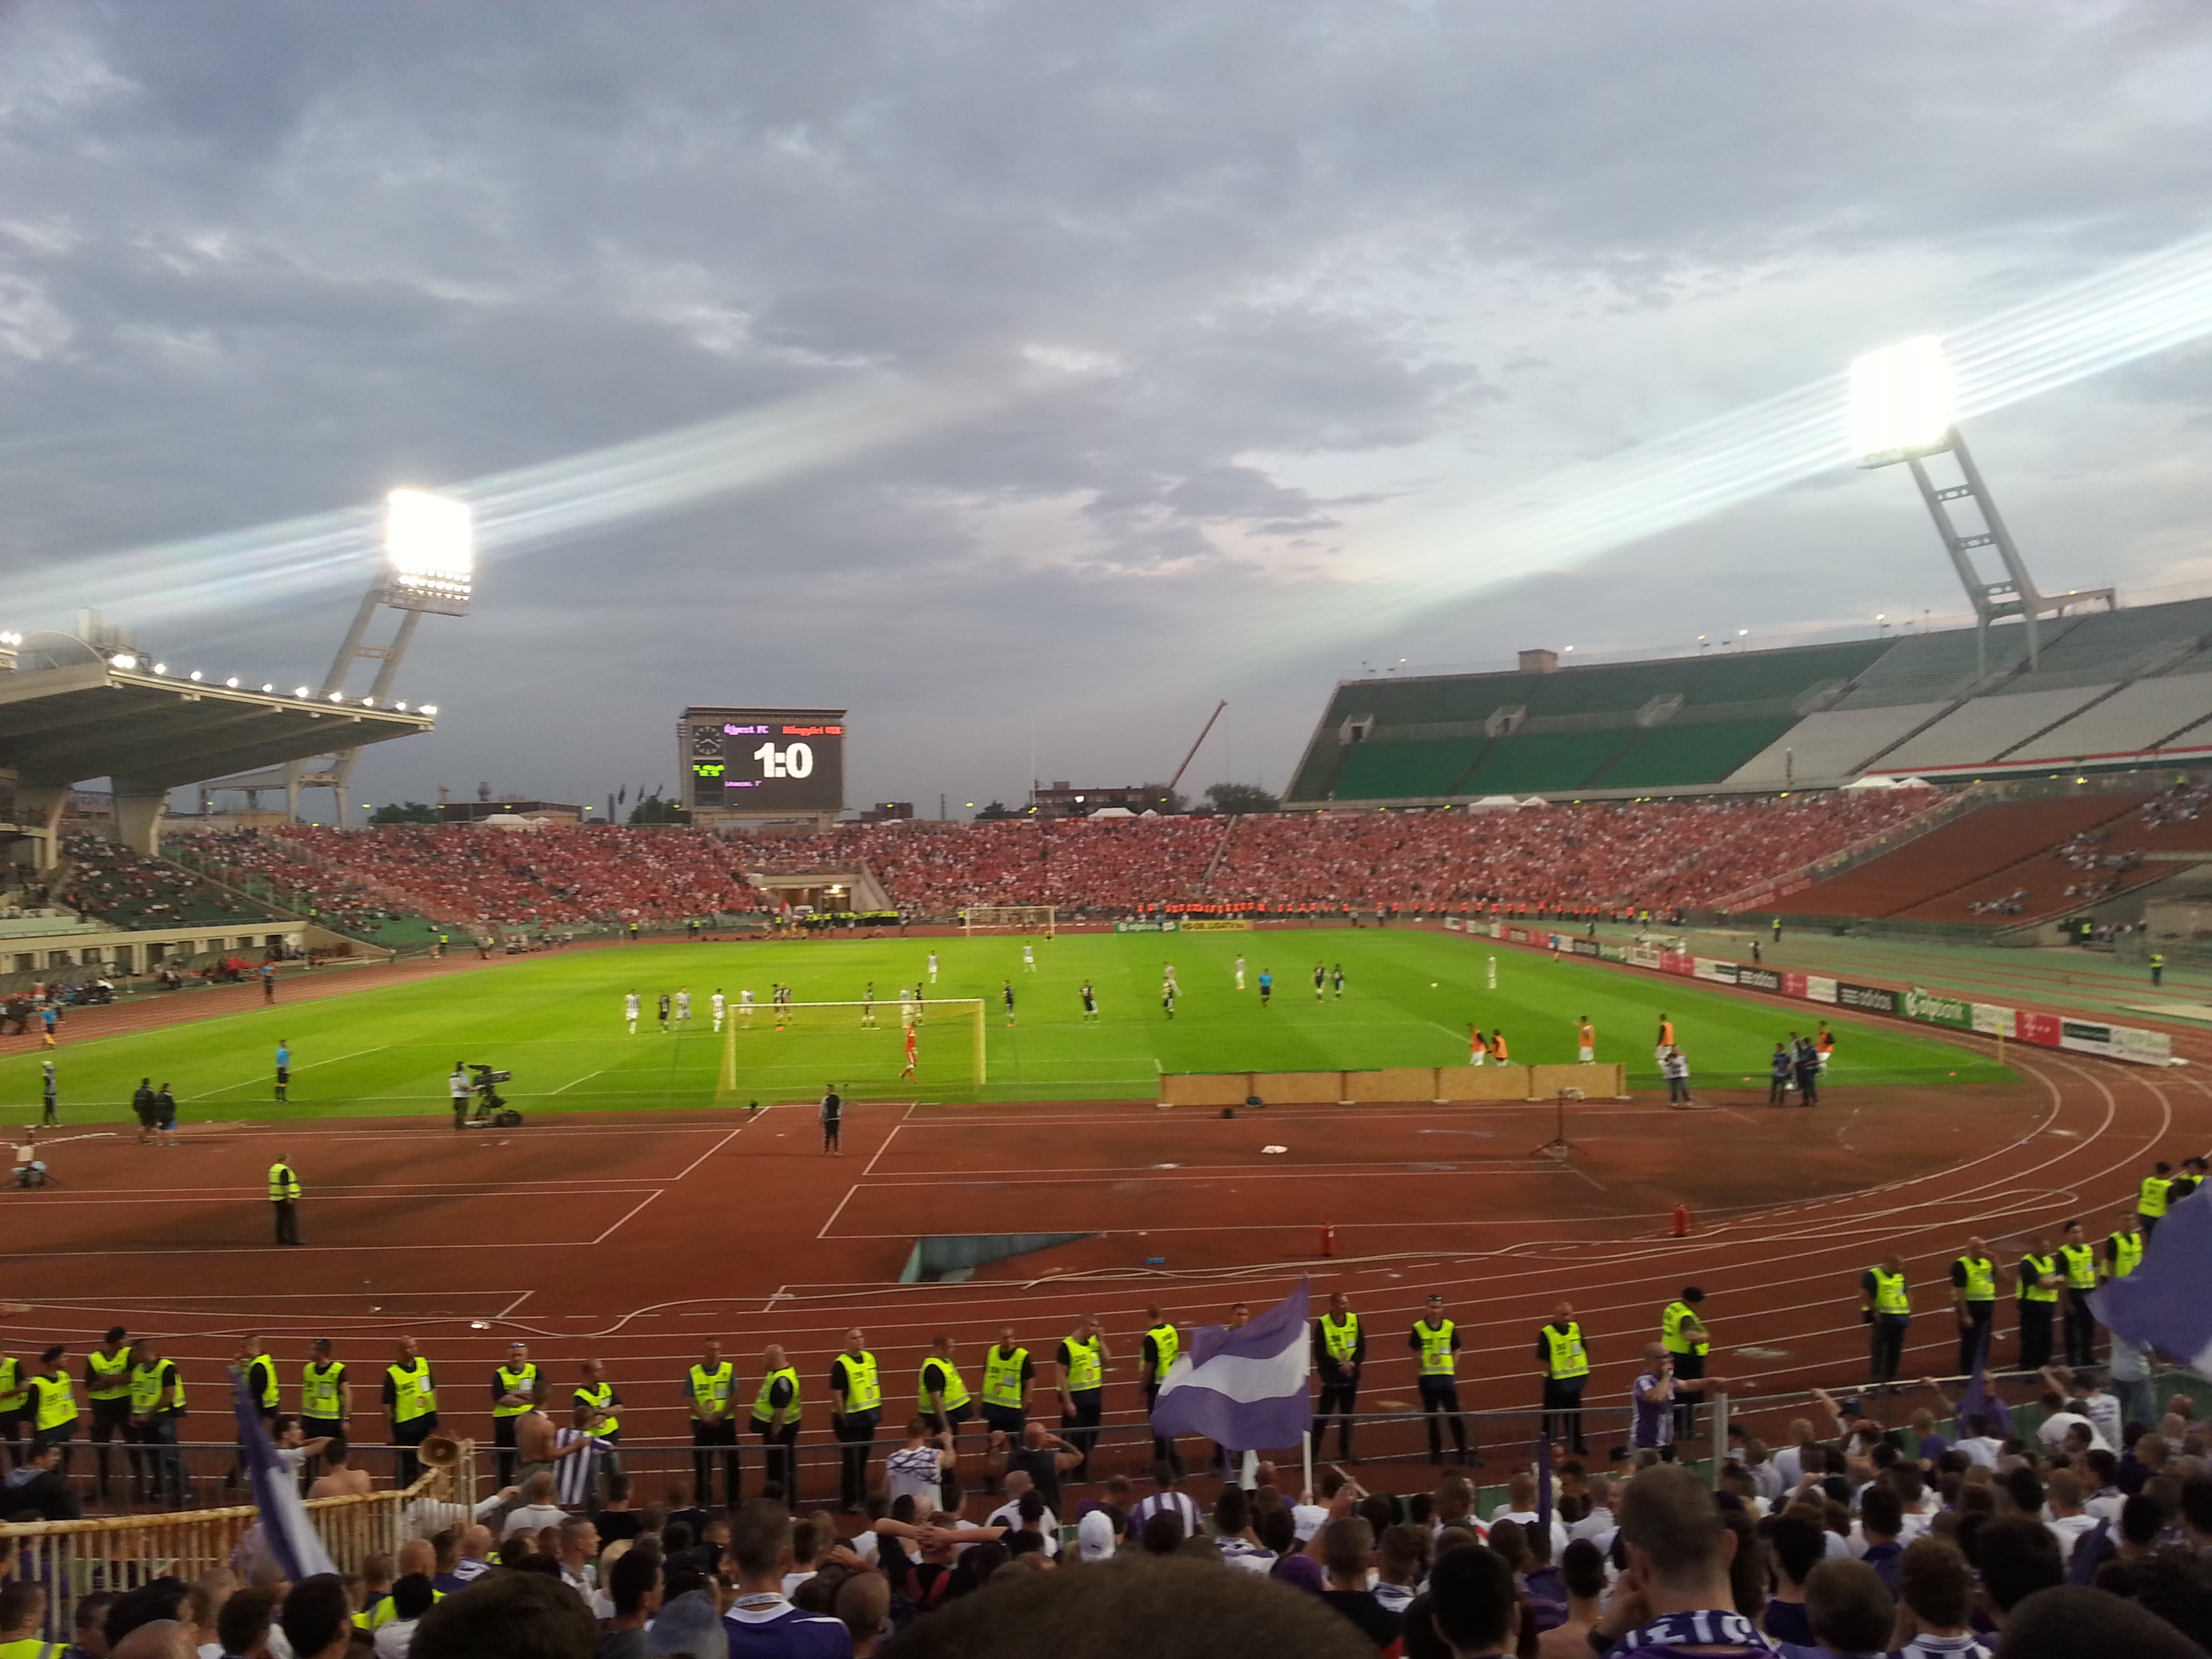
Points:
(470, 811)
(1064, 800)
(883, 811)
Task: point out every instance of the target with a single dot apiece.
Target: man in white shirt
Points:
(537, 1510)
(2063, 1501)
(1599, 1525)
(1520, 1507)
(1789, 1462)
(1009, 1514)
(721, 1004)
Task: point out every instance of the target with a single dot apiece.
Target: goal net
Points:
(793, 1050)
(1010, 919)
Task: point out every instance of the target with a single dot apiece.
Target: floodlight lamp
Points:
(401, 706)
(196, 675)
(429, 546)
(300, 691)
(232, 682)
(338, 696)
(368, 702)
(269, 688)
(1903, 402)
(428, 708)
(161, 668)
(123, 660)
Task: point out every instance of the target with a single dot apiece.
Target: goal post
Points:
(791, 1050)
(1010, 918)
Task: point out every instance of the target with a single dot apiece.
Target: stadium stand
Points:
(2150, 715)
(1700, 752)
(108, 881)
(1835, 744)
(1983, 729)
(1971, 858)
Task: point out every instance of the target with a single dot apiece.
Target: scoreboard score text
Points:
(765, 760)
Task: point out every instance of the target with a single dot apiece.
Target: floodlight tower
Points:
(1904, 408)
(429, 559)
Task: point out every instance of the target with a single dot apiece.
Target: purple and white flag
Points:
(2162, 1304)
(286, 1536)
(1244, 1388)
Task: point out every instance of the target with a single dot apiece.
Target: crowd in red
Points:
(1609, 856)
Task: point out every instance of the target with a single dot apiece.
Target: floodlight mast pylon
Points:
(1893, 381)
(430, 573)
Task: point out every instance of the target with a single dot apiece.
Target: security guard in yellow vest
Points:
(595, 1391)
(107, 1389)
(1007, 1370)
(14, 1405)
(1885, 1304)
(1158, 1350)
(1682, 1333)
(940, 1394)
(1339, 1353)
(856, 1400)
(2077, 1259)
(411, 1400)
(1974, 1299)
(2124, 1248)
(1082, 1358)
(1435, 1340)
(284, 1200)
(53, 1407)
(512, 1384)
(709, 1386)
(2156, 1196)
(157, 1403)
(325, 1402)
(1565, 1365)
(775, 1419)
(2036, 1285)
(23, 1613)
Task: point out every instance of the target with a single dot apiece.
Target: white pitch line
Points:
(711, 1150)
(572, 1082)
(512, 1305)
(1182, 1177)
(839, 1210)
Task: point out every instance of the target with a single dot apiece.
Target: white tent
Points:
(1113, 812)
(511, 821)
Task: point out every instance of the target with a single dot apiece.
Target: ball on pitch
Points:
(1432, 985)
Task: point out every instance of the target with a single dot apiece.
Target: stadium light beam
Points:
(1903, 399)
(429, 551)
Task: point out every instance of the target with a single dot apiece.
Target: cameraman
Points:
(458, 1086)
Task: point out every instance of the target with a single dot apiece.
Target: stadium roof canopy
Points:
(66, 720)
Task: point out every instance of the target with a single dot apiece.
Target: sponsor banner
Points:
(1793, 984)
(1866, 999)
(1817, 989)
(1642, 956)
(1676, 962)
(1615, 952)
(1708, 967)
(1451, 924)
(1586, 947)
(1496, 930)
(2144, 1048)
(1222, 925)
(1149, 924)
(1758, 978)
(2085, 1038)
(1993, 1021)
(2041, 1030)
(1925, 1005)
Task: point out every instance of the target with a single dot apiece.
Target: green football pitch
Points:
(557, 1022)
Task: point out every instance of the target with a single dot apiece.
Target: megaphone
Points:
(440, 1451)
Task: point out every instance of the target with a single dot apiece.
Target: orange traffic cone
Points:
(1681, 1228)
(1328, 1241)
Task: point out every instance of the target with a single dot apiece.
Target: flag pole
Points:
(1308, 1439)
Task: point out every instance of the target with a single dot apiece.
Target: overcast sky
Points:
(1190, 307)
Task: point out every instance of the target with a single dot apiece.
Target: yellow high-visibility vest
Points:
(2127, 1254)
(710, 1390)
(15, 1385)
(283, 1183)
(322, 1391)
(513, 1383)
(764, 1412)
(2032, 1269)
(2080, 1266)
(413, 1393)
(150, 1383)
(107, 1376)
(30, 1648)
(1675, 1325)
(1890, 1295)
(1567, 1358)
(862, 1392)
(600, 1399)
(261, 1378)
(1002, 1377)
(1981, 1278)
(1084, 1368)
(946, 1382)
(2156, 1189)
(1437, 1356)
(1341, 1341)
(57, 1400)
(1167, 1343)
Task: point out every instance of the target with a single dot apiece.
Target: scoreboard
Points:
(764, 760)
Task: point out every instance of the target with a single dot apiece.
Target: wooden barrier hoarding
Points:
(1452, 1085)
